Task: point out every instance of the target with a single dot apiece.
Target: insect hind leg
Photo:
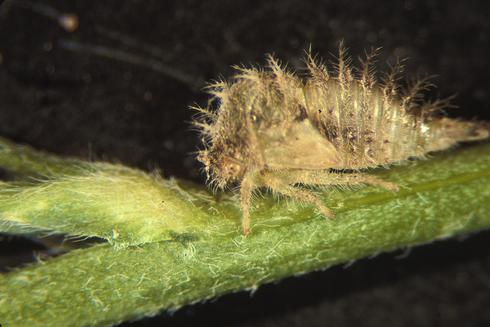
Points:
(324, 178)
(283, 182)
(280, 183)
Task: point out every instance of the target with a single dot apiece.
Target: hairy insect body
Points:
(369, 128)
(273, 129)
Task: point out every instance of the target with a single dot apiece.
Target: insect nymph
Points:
(273, 129)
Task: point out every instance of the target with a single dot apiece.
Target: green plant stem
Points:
(121, 205)
(24, 162)
(105, 285)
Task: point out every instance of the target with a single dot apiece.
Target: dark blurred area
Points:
(117, 85)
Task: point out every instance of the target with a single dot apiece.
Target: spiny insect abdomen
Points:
(275, 129)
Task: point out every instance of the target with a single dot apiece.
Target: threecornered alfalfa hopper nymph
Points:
(275, 129)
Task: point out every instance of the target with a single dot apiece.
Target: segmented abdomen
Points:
(371, 127)
(366, 126)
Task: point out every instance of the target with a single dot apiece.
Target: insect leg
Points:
(370, 180)
(246, 188)
(322, 177)
(281, 185)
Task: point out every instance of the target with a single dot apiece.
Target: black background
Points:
(79, 103)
